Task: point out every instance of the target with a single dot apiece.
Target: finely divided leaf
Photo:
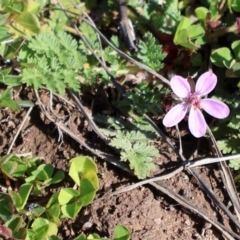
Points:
(135, 147)
(151, 52)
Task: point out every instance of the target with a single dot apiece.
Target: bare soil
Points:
(148, 213)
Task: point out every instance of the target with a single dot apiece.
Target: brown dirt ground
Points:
(148, 213)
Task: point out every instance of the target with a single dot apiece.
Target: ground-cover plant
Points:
(135, 142)
(120, 233)
(24, 218)
(19, 18)
(174, 39)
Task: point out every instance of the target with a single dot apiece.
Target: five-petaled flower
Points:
(192, 102)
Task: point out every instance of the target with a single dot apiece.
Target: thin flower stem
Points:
(215, 35)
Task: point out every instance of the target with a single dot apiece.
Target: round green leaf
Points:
(44, 228)
(8, 168)
(14, 167)
(184, 40)
(43, 172)
(236, 5)
(222, 57)
(11, 80)
(121, 233)
(195, 31)
(87, 192)
(93, 178)
(6, 209)
(236, 69)
(236, 48)
(38, 211)
(24, 192)
(201, 13)
(53, 199)
(79, 166)
(33, 7)
(29, 21)
(72, 209)
(66, 195)
(57, 177)
(14, 223)
(54, 213)
(81, 237)
(10, 104)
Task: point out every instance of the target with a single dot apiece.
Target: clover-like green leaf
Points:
(121, 233)
(57, 177)
(43, 172)
(201, 13)
(79, 166)
(6, 209)
(72, 209)
(44, 228)
(236, 48)
(66, 195)
(21, 197)
(236, 5)
(195, 31)
(29, 21)
(87, 192)
(14, 223)
(222, 57)
(54, 213)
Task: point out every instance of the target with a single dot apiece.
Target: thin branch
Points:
(19, 129)
(226, 177)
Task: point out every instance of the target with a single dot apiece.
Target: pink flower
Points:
(192, 102)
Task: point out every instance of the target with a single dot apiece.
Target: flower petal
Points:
(215, 108)
(180, 86)
(206, 83)
(197, 123)
(175, 115)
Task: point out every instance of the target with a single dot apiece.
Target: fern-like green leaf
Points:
(136, 149)
(53, 61)
(91, 37)
(140, 158)
(151, 52)
(67, 42)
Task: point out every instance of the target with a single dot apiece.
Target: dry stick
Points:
(89, 118)
(124, 55)
(204, 161)
(180, 144)
(85, 40)
(202, 184)
(61, 97)
(174, 196)
(172, 173)
(109, 158)
(113, 161)
(127, 57)
(99, 41)
(226, 177)
(207, 189)
(165, 189)
(19, 129)
(141, 183)
(161, 134)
